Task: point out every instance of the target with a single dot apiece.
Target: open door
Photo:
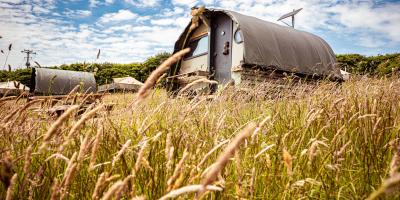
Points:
(221, 54)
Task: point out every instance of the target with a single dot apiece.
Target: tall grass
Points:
(304, 142)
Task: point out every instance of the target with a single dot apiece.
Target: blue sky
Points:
(69, 31)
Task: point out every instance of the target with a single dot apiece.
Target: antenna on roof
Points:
(291, 14)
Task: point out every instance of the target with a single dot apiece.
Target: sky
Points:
(126, 31)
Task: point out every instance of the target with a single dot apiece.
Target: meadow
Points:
(324, 141)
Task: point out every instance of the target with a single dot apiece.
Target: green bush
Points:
(21, 75)
(380, 65)
(104, 72)
(4, 76)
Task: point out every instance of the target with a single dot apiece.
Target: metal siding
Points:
(59, 82)
(222, 34)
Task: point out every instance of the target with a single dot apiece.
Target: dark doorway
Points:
(221, 48)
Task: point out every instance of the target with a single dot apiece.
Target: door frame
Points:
(212, 44)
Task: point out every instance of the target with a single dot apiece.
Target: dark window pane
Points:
(198, 47)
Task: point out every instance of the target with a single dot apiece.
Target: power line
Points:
(28, 56)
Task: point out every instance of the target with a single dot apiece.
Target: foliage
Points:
(104, 72)
(152, 63)
(21, 75)
(380, 65)
(374, 65)
(327, 142)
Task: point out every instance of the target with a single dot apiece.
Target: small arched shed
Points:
(46, 81)
(225, 45)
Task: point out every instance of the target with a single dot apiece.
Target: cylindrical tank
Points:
(47, 81)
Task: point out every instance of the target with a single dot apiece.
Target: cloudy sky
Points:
(69, 31)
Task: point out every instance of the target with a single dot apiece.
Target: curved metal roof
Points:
(59, 82)
(283, 48)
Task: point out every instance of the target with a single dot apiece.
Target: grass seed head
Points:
(189, 189)
(120, 152)
(178, 169)
(287, 160)
(83, 119)
(140, 156)
(10, 189)
(113, 190)
(229, 151)
(144, 91)
(6, 172)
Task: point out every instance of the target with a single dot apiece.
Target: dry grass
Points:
(322, 142)
(156, 74)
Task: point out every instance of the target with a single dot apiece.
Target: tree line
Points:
(381, 65)
(104, 72)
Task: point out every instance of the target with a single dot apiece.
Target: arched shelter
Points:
(224, 44)
(46, 81)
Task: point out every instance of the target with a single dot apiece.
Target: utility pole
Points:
(28, 53)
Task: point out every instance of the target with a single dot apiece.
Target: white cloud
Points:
(40, 10)
(208, 3)
(185, 2)
(126, 36)
(337, 17)
(95, 3)
(371, 41)
(365, 16)
(168, 13)
(12, 1)
(57, 42)
(144, 3)
(121, 15)
(163, 22)
(77, 13)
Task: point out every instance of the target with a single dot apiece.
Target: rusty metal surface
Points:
(59, 82)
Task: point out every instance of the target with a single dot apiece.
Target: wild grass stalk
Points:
(117, 157)
(189, 189)
(319, 142)
(223, 159)
(83, 119)
(144, 91)
(57, 125)
(178, 170)
(10, 189)
(96, 146)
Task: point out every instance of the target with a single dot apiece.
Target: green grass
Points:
(338, 137)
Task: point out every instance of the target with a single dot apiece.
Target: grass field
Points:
(325, 142)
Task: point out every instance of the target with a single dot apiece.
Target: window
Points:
(238, 37)
(198, 47)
